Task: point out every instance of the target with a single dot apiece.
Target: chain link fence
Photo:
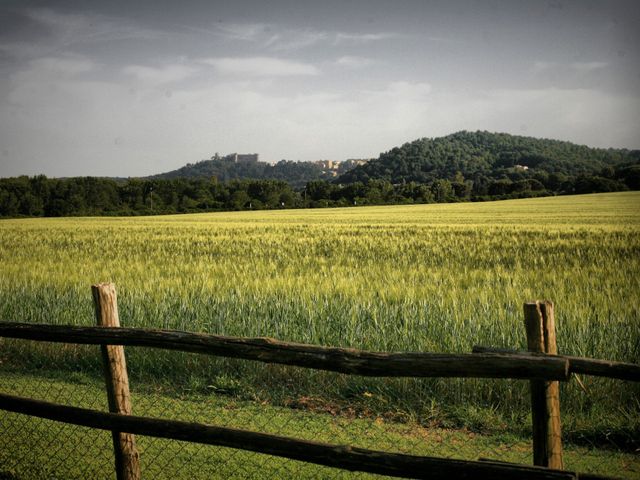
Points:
(373, 413)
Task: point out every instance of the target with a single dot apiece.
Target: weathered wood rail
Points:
(344, 457)
(579, 365)
(544, 370)
(342, 360)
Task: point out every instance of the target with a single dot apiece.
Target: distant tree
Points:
(500, 187)
(442, 190)
(594, 184)
(9, 205)
(239, 199)
(318, 190)
(630, 175)
(31, 205)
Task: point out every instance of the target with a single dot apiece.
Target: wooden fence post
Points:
(117, 382)
(545, 396)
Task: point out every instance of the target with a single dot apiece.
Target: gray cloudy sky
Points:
(136, 88)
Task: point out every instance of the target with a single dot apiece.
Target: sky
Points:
(137, 88)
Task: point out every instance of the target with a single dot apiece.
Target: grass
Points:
(406, 278)
(46, 449)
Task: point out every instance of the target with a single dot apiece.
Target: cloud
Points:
(52, 32)
(270, 36)
(354, 62)
(22, 50)
(588, 66)
(260, 66)
(278, 38)
(399, 109)
(46, 75)
(403, 91)
(580, 67)
(341, 37)
(75, 28)
(69, 66)
(159, 76)
(541, 66)
(241, 31)
(295, 40)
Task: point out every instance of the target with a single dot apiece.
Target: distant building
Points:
(521, 167)
(328, 164)
(242, 158)
(356, 162)
(333, 168)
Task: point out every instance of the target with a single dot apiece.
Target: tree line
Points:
(40, 196)
(464, 166)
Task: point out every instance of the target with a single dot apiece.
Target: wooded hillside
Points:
(499, 163)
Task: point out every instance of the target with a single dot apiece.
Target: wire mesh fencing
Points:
(31, 447)
(391, 415)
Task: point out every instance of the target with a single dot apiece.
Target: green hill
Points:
(481, 159)
(296, 174)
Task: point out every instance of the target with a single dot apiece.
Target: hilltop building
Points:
(328, 164)
(237, 157)
(334, 168)
(242, 157)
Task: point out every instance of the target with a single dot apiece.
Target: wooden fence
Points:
(541, 366)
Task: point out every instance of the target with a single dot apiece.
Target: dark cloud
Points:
(16, 26)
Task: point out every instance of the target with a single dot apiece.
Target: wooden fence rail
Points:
(345, 457)
(342, 360)
(580, 365)
(267, 350)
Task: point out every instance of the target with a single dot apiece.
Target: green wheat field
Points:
(432, 278)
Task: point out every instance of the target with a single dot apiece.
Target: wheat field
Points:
(438, 278)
